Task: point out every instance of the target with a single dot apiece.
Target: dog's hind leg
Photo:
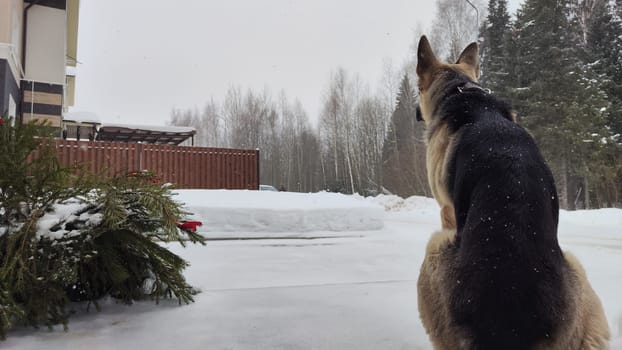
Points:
(584, 325)
(433, 292)
(592, 323)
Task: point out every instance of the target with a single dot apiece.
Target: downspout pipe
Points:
(25, 32)
(24, 43)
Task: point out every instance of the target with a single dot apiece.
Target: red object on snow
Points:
(189, 225)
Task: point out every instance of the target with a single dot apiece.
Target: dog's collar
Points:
(472, 87)
(469, 86)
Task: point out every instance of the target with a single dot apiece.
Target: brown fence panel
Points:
(186, 167)
(103, 158)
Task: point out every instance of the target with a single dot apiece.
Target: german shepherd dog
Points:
(495, 276)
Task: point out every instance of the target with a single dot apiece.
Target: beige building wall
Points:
(73, 11)
(45, 52)
(5, 20)
(11, 12)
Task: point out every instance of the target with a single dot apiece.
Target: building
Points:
(38, 49)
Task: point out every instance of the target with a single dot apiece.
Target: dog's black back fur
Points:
(509, 269)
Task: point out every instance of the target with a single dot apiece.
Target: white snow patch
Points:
(243, 212)
(609, 218)
(66, 212)
(62, 212)
(158, 128)
(82, 117)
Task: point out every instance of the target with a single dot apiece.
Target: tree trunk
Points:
(586, 195)
(563, 192)
(349, 166)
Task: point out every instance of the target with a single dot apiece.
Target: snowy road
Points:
(354, 292)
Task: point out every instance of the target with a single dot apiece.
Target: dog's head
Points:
(435, 76)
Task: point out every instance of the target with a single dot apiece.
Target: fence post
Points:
(258, 167)
(140, 157)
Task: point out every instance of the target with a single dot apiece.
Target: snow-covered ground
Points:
(251, 213)
(314, 277)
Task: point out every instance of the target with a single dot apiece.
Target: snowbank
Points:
(607, 216)
(280, 212)
(394, 203)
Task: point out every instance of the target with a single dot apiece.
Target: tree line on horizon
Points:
(558, 62)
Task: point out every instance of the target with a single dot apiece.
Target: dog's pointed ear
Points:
(470, 57)
(425, 56)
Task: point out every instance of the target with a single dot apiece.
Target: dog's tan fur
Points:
(433, 298)
(585, 325)
(438, 138)
(436, 160)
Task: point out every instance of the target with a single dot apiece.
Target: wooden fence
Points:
(186, 167)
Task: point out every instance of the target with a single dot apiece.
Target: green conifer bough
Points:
(67, 236)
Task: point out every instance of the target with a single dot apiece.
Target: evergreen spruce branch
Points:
(10, 311)
(118, 255)
(41, 298)
(18, 250)
(115, 214)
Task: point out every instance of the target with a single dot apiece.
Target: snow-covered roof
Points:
(144, 133)
(156, 128)
(82, 117)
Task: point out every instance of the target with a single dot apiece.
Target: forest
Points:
(557, 62)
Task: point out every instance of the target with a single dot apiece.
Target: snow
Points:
(82, 117)
(157, 128)
(317, 289)
(251, 213)
(66, 212)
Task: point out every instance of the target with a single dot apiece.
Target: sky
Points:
(140, 59)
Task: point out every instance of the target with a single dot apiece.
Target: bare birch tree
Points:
(455, 26)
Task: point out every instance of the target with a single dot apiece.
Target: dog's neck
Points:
(461, 88)
(470, 86)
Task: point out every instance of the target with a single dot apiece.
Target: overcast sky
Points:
(139, 59)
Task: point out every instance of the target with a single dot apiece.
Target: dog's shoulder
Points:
(497, 162)
(489, 144)
(475, 107)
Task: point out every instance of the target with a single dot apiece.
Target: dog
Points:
(494, 277)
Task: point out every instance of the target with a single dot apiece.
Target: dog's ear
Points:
(470, 57)
(425, 57)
